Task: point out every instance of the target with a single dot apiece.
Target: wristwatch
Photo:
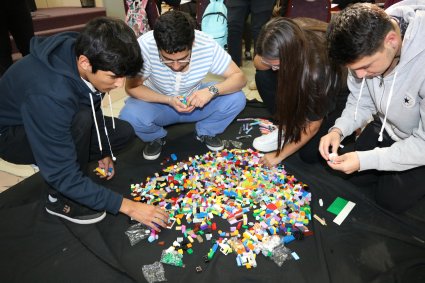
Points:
(214, 91)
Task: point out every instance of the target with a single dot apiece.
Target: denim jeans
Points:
(148, 119)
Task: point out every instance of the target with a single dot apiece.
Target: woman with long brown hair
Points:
(304, 89)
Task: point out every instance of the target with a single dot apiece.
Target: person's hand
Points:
(270, 159)
(347, 163)
(332, 140)
(108, 167)
(175, 102)
(199, 98)
(150, 215)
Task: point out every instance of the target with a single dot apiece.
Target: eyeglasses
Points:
(273, 67)
(180, 61)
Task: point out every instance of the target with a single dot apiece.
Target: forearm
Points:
(233, 83)
(144, 93)
(291, 148)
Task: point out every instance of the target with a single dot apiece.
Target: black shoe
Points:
(72, 211)
(213, 143)
(153, 149)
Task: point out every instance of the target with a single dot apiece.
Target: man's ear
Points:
(392, 39)
(84, 63)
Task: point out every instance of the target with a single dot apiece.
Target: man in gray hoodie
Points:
(385, 54)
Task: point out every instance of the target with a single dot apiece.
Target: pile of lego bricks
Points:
(233, 185)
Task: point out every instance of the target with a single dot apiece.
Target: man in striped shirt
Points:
(176, 58)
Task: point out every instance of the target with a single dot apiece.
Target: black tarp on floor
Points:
(372, 245)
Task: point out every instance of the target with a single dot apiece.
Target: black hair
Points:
(174, 31)
(357, 31)
(110, 45)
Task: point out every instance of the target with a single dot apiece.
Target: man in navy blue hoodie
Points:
(50, 115)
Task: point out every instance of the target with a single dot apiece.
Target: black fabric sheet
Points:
(371, 245)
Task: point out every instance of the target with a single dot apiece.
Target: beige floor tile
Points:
(7, 180)
(17, 170)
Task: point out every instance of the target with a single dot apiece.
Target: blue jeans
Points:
(148, 119)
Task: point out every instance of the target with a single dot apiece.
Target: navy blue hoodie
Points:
(43, 91)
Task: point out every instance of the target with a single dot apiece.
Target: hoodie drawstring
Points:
(380, 138)
(358, 99)
(112, 113)
(104, 125)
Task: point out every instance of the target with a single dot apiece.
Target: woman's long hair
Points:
(306, 77)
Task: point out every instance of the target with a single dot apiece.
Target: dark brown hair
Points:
(358, 31)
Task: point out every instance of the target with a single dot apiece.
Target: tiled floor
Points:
(11, 174)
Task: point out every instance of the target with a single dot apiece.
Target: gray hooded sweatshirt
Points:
(402, 110)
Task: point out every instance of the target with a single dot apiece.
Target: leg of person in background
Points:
(247, 38)
(5, 46)
(15, 18)
(260, 14)
(236, 15)
(189, 8)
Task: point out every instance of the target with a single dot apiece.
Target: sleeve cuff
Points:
(368, 159)
(114, 203)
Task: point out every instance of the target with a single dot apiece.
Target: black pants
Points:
(236, 17)
(267, 87)
(15, 18)
(15, 148)
(394, 190)
(266, 82)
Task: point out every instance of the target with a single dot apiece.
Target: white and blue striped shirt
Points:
(207, 57)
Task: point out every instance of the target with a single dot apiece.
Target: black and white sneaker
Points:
(213, 143)
(71, 211)
(153, 149)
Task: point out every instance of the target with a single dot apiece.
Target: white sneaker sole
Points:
(211, 147)
(151, 157)
(78, 221)
(215, 148)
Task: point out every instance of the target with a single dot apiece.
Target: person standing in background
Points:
(15, 20)
(237, 12)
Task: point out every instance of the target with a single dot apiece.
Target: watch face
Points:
(213, 90)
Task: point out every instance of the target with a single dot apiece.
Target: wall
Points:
(114, 8)
(62, 3)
